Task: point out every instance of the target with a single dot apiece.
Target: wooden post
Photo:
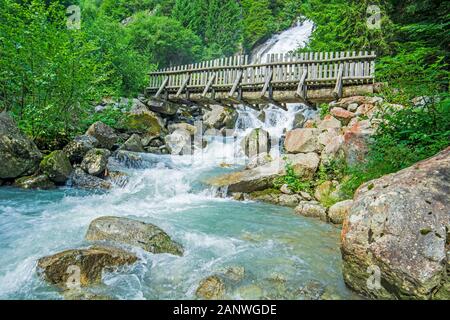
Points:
(337, 92)
(163, 86)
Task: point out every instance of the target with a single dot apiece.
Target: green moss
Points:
(141, 123)
(425, 231)
(266, 192)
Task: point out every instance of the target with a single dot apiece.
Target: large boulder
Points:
(56, 166)
(356, 142)
(399, 225)
(134, 144)
(19, 156)
(104, 134)
(165, 108)
(311, 209)
(136, 233)
(339, 211)
(179, 142)
(95, 161)
(82, 267)
(78, 147)
(343, 115)
(220, 117)
(257, 179)
(41, 182)
(329, 122)
(256, 142)
(183, 126)
(332, 151)
(80, 179)
(305, 165)
(302, 140)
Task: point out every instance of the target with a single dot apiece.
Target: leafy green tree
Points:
(163, 40)
(258, 22)
(48, 74)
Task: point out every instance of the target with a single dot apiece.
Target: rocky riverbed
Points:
(132, 188)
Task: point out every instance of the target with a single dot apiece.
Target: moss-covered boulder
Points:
(56, 166)
(145, 123)
(19, 156)
(83, 267)
(136, 233)
(41, 182)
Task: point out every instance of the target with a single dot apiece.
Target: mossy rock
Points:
(56, 166)
(143, 123)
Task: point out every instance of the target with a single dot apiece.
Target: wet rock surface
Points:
(136, 233)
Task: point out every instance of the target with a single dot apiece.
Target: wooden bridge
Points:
(283, 78)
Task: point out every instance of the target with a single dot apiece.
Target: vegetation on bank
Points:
(51, 76)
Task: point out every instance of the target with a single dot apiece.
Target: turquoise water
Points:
(284, 256)
(270, 242)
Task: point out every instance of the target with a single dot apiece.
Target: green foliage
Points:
(124, 64)
(217, 22)
(48, 74)
(163, 40)
(404, 138)
(324, 110)
(334, 170)
(293, 181)
(258, 21)
(414, 71)
(341, 25)
(112, 116)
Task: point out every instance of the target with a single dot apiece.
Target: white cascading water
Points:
(269, 242)
(286, 41)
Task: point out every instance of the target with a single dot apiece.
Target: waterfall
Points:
(286, 41)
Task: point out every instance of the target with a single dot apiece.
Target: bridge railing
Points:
(277, 71)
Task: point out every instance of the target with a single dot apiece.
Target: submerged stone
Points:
(211, 288)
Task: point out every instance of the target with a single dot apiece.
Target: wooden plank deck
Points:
(282, 78)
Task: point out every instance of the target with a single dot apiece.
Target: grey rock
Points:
(136, 233)
(95, 161)
(78, 147)
(104, 134)
(19, 156)
(81, 179)
(399, 224)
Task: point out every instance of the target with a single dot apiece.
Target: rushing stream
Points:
(285, 256)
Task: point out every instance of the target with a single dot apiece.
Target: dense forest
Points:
(51, 76)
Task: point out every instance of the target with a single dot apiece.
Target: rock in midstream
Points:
(135, 233)
(86, 264)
